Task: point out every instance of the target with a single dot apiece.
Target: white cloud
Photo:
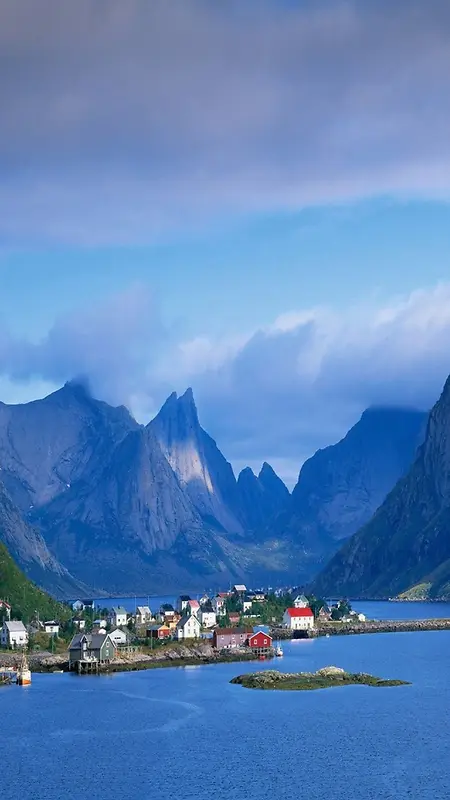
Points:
(277, 394)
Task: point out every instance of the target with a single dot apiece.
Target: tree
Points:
(316, 604)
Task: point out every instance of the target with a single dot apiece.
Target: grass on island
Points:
(305, 681)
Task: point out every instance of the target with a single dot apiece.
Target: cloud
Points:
(122, 122)
(274, 394)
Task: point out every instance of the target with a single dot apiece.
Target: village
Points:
(237, 622)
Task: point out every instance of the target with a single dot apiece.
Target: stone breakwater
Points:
(379, 626)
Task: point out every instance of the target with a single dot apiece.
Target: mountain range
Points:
(405, 547)
(91, 499)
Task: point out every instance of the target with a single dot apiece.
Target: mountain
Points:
(29, 550)
(48, 444)
(203, 472)
(406, 544)
(24, 597)
(341, 486)
(261, 497)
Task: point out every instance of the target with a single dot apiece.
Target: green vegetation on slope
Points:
(24, 597)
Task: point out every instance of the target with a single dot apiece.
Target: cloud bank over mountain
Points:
(212, 110)
(273, 394)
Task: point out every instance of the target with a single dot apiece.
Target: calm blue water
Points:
(187, 733)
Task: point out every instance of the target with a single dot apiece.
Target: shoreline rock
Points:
(325, 678)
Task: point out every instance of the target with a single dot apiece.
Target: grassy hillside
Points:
(24, 597)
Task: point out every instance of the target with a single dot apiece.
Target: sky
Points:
(250, 198)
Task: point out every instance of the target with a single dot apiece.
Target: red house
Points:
(260, 642)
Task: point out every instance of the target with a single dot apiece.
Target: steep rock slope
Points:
(29, 550)
(48, 444)
(340, 487)
(135, 528)
(203, 472)
(261, 497)
(407, 541)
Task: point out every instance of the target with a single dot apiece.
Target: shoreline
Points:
(380, 626)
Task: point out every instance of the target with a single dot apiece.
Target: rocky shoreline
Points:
(325, 678)
(180, 656)
(380, 626)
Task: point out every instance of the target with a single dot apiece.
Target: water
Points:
(389, 610)
(188, 733)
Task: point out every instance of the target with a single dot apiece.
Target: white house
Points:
(298, 619)
(99, 623)
(301, 601)
(204, 600)
(143, 615)
(119, 637)
(80, 623)
(183, 602)
(77, 605)
(239, 588)
(361, 617)
(188, 628)
(219, 604)
(117, 617)
(13, 634)
(247, 606)
(208, 618)
(51, 627)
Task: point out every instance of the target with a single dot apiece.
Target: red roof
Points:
(259, 638)
(299, 612)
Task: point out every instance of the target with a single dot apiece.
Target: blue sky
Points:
(252, 199)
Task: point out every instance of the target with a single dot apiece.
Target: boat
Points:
(278, 650)
(23, 672)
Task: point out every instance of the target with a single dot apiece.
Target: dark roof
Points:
(229, 631)
(94, 641)
(185, 618)
(185, 597)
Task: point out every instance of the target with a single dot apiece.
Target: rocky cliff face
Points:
(261, 497)
(48, 444)
(203, 472)
(340, 487)
(29, 550)
(406, 542)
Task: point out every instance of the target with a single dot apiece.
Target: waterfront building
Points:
(91, 647)
(79, 623)
(13, 634)
(260, 643)
(208, 617)
(298, 619)
(229, 638)
(219, 603)
(193, 607)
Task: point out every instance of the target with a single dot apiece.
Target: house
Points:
(79, 623)
(171, 620)
(324, 613)
(51, 627)
(229, 638)
(239, 589)
(183, 602)
(99, 623)
(158, 632)
(258, 597)
(361, 617)
(219, 603)
(298, 619)
(204, 600)
(247, 606)
(260, 643)
(13, 634)
(167, 610)
(188, 627)
(88, 605)
(91, 647)
(208, 617)
(77, 605)
(194, 607)
(117, 617)
(301, 601)
(234, 618)
(143, 615)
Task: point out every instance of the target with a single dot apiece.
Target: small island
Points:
(324, 678)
